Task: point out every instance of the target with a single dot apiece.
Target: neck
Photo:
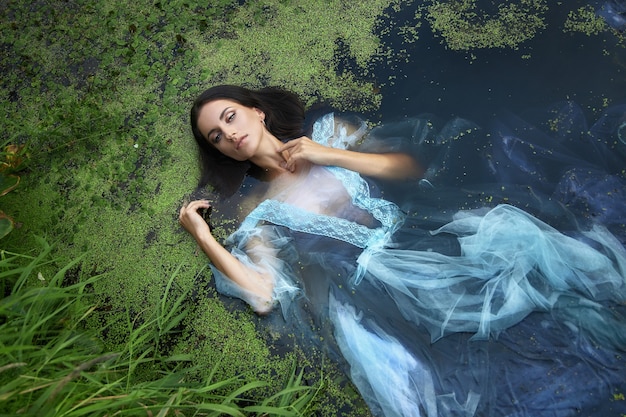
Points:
(268, 158)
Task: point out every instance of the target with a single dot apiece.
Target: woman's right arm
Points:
(258, 283)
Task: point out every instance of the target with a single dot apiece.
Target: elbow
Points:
(413, 169)
(264, 300)
(404, 167)
(416, 171)
(264, 309)
(263, 306)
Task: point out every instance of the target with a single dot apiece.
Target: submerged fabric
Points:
(494, 287)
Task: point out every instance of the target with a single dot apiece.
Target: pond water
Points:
(563, 83)
(553, 66)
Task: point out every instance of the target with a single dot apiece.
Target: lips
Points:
(240, 141)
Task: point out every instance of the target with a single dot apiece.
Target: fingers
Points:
(287, 152)
(192, 221)
(295, 150)
(288, 161)
(192, 208)
(197, 204)
(293, 143)
(288, 145)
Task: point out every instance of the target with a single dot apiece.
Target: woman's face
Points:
(233, 129)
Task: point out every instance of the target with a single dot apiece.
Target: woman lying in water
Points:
(493, 313)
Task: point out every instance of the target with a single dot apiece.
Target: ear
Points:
(261, 114)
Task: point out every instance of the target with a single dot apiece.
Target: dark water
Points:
(562, 66)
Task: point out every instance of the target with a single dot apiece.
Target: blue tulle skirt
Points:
(504, 294)
(524, 321)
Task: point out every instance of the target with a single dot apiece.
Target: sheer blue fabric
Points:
(459, 303)
(510, 265)
(614, 13)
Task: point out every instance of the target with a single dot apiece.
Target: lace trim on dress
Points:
(300, 220)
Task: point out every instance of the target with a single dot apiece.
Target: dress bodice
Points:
(341, 206)
(344, 211)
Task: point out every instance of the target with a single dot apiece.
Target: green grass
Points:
(52, 364)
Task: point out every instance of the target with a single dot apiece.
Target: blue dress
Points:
(452, 300)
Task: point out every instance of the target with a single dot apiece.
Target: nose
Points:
(232, 135)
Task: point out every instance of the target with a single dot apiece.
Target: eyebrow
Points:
(220, 118)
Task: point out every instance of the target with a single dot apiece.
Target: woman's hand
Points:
(389, 166)
(191, 220)
(305, 149)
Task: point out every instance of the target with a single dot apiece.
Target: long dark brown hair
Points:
(284, 118)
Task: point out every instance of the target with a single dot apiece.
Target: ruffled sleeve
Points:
(339, 133)
(267, 250)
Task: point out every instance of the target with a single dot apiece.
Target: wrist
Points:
(203, 235)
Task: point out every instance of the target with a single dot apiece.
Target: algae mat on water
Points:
(99, 92)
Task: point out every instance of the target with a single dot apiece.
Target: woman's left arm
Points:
(388, 166)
